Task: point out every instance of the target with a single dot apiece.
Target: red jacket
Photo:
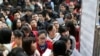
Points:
(49, 46)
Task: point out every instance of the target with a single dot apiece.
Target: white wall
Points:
(89, 14)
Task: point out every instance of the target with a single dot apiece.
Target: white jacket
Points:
(75, 52)
(57, 37)
(46, 53)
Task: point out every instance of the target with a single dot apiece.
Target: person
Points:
(28, 15)
(56, 24)
(29, 46)
(59, 48)
(40, 25)
(38, 6)
(41, 17)
(44, 46)
(57, 4)
(52, 33)
(17, 52)
(28, 5)
(49, 3)
(71, 27)
(33, 24)
(69, 51)
(35, 28)
(67, 18)
(17, 38)
(51, 12)
(16, 24)
(26, 32)
(16, 15)
(5, 45)
(64, 9)
(64, 32)
(7, 20)
(48, 19)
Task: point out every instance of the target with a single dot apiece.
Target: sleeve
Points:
(73, 42)
(50, 44)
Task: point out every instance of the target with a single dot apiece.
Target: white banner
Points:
(89, 14)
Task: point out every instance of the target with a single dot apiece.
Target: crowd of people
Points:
(40, 27)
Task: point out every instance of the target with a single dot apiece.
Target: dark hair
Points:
(59, 48)
(68, 16)
(62, 29)
(14, 25)
(28, 9)
(1, 15)
(66, 41)
(15, 12)
(41, 32)
(26, 44)
(66, 6)
(71, 27)
(5, 35)
(18, 33)
(37, 9)
(25, 28)
(49, 27)
(48, 7)
(18, 8)
(17, 52)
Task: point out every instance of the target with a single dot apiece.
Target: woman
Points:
(71, 52)
(64, 32)
(26, 31)
(52, 33)
(29, 47)
(16, 24)
(71, 27)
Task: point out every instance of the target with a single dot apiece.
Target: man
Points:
(17, 15)
(40, 24)
(43, 46)
(18, 38)
(27, 16)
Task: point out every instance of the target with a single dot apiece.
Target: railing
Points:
(96, 49)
